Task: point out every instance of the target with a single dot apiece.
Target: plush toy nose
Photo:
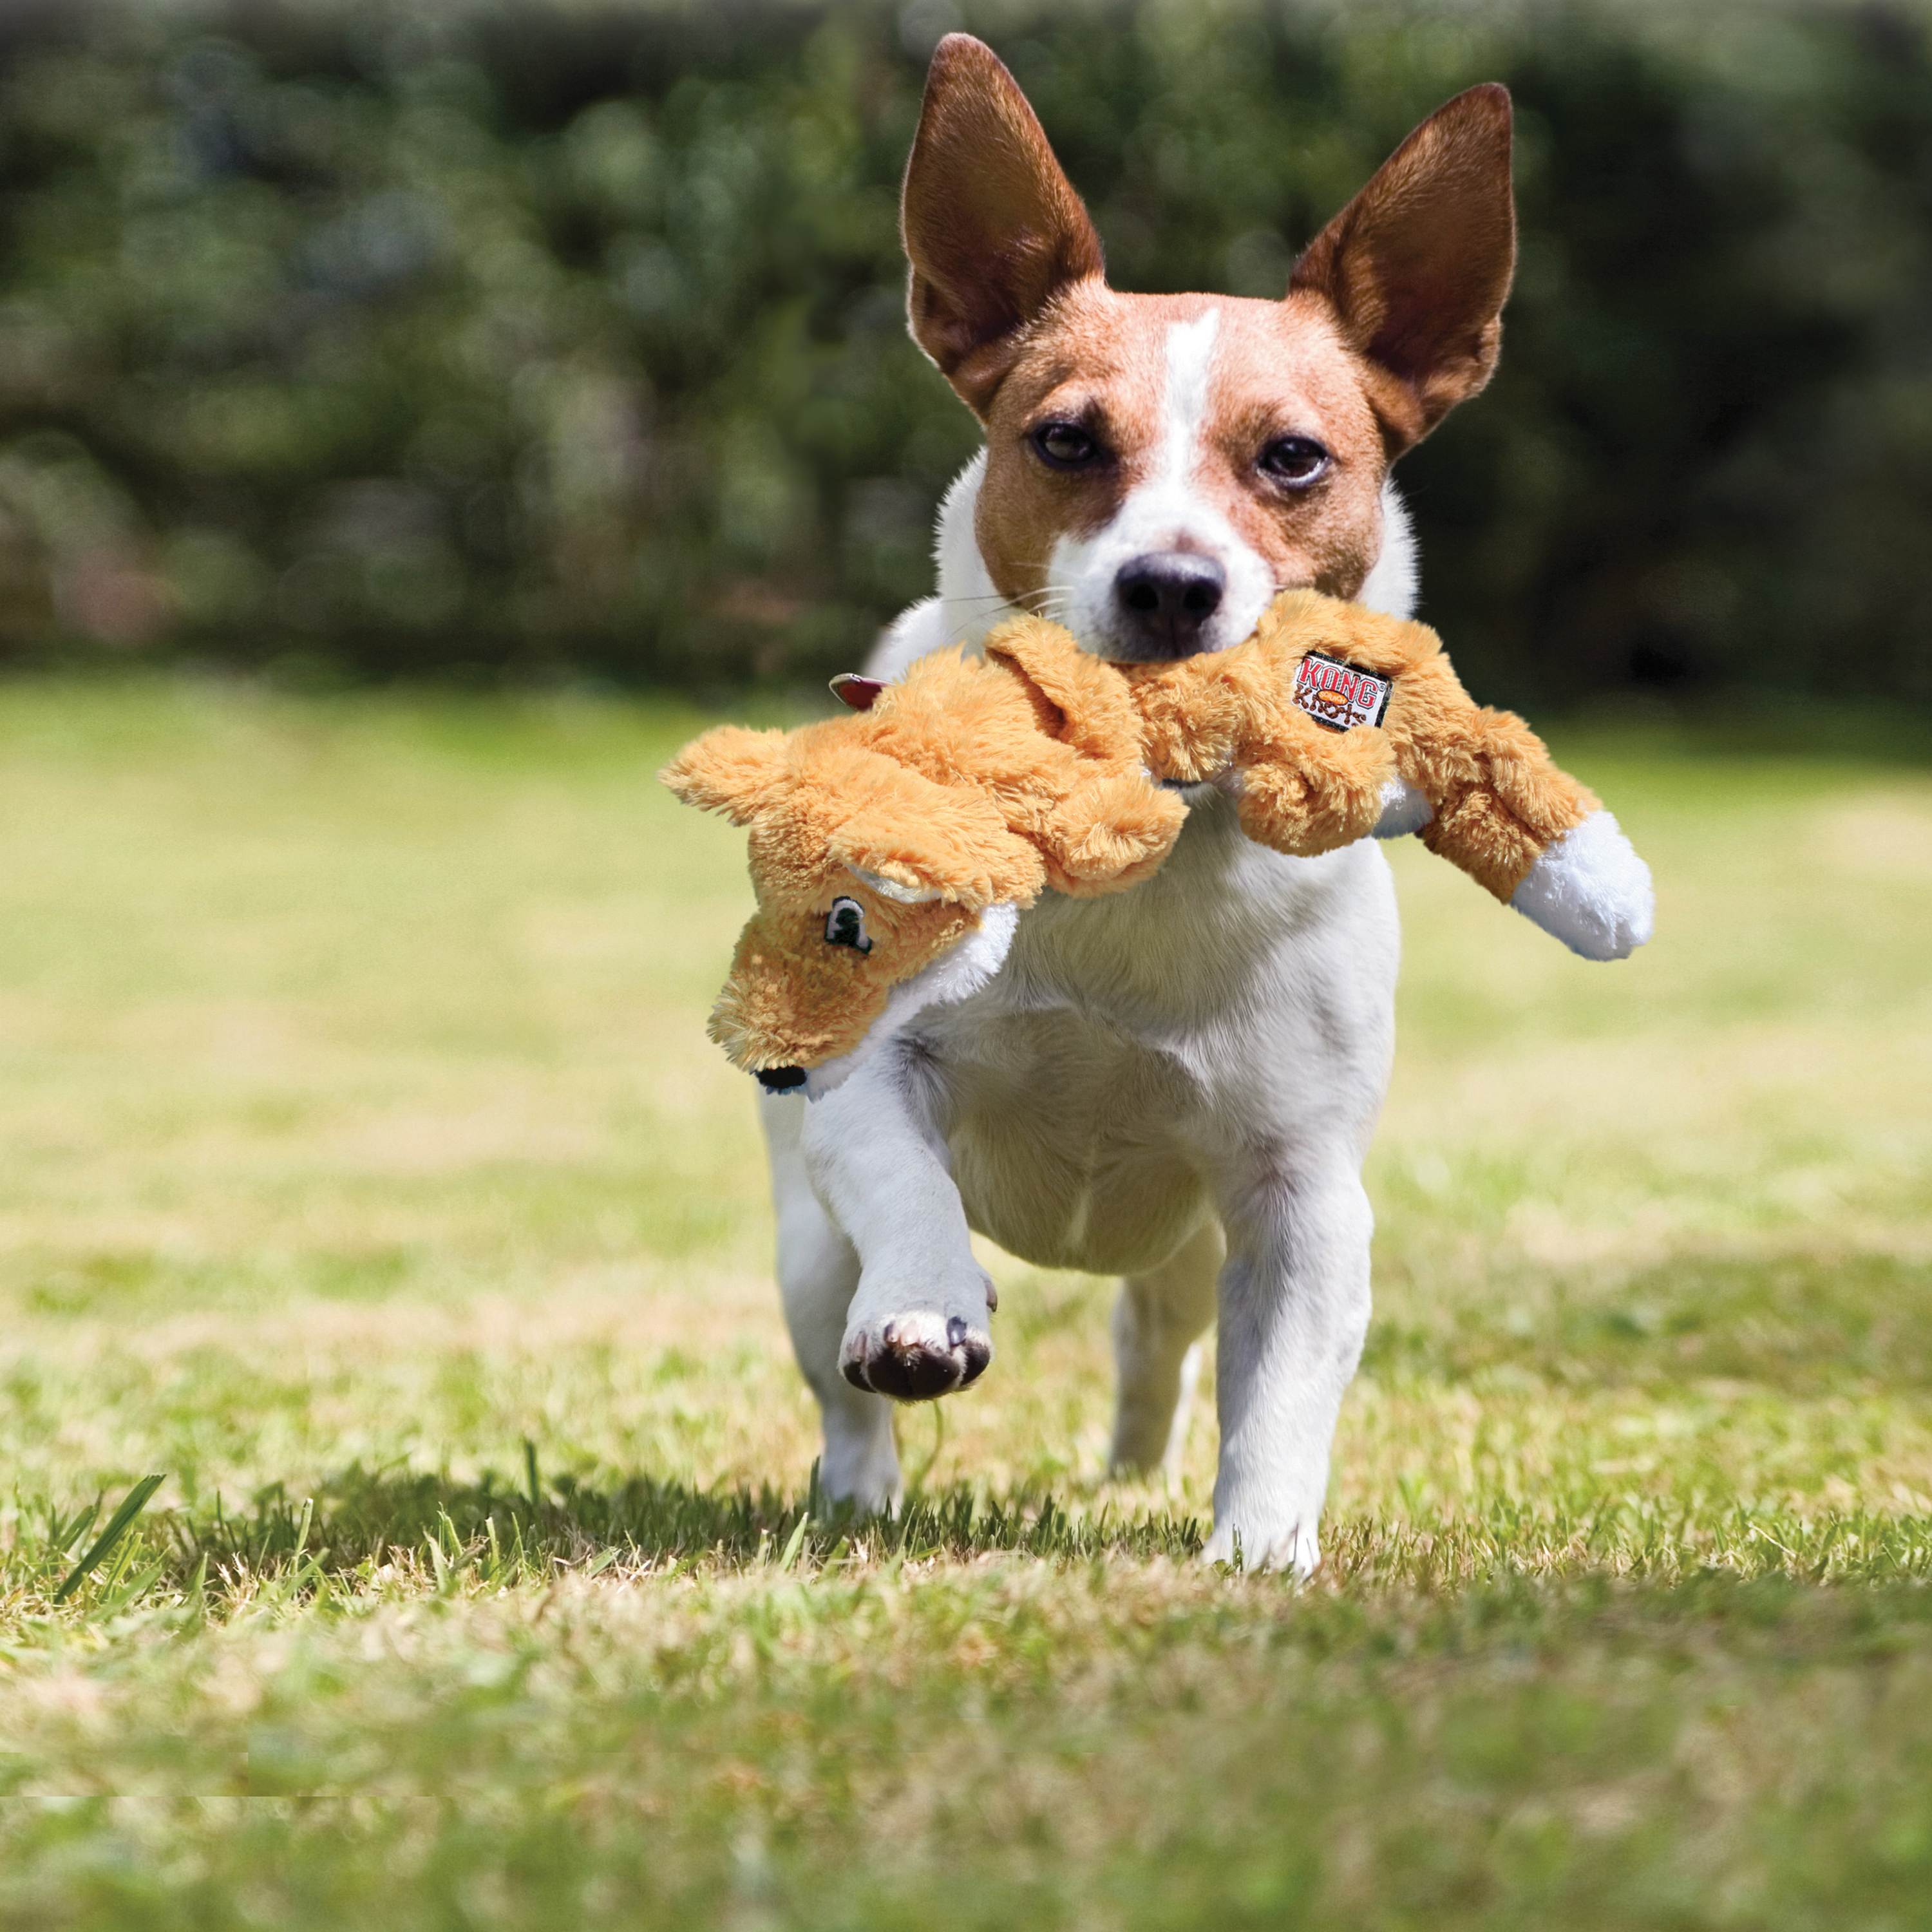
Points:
(1163, 602)
(781, 1079)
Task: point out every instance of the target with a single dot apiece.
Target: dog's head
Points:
(1158, 467)
(870, 879)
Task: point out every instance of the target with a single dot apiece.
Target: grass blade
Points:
(915, 1488)
(132, 1504)
(795, 1543)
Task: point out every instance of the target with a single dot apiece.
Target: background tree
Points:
(376, 340)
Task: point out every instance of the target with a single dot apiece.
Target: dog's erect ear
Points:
(1417, 266)
(992, 228)
(732, 770)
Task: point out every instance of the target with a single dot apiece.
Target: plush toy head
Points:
(890, 850)
(867, 874)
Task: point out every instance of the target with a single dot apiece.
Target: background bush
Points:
(377, 339)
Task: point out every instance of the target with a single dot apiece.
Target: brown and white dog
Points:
(1177, 1085)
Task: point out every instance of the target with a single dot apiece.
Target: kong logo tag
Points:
(1340, 695)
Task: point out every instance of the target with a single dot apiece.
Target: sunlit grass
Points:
(367, 1175)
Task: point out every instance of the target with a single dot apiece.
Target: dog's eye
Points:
(1296, 460)
(1065, 446)
(845, 925)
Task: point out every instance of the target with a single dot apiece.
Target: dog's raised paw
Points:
(916, 1357)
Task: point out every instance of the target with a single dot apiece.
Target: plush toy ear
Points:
(913, 840)
(992, 227)
(732, 770)
(1417, 266)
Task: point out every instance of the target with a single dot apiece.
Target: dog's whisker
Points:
(1044, 602)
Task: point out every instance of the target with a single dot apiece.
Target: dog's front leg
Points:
(1294, 1313)
(818, 1273)
(917, 1326)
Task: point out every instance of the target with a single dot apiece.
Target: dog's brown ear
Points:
(1417, 266)
(992, 227)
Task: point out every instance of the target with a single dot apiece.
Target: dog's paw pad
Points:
(916, 1357)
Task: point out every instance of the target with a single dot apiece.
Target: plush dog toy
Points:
(891, 851)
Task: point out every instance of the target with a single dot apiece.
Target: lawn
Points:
(369, 1178)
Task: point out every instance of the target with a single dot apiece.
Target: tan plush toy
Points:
(892, 851)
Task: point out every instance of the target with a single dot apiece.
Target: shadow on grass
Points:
(360, 1519)
(363, 1530)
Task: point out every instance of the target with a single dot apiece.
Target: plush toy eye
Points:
(1296, 460)
(1064, 445)
(845, 925)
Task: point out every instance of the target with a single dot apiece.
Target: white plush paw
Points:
(1405, 810)
(1292, 1548)
(918, 1354)
(1591, 891)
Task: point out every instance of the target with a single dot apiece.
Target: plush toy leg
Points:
(818, 1270)
(1591, 890)
(1112, 831)
(1329, 795)
(1294, 1312)
(1157, 1322)
(917, 1325)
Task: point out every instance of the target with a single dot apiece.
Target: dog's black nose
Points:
(1163, 601)
(781, 1079)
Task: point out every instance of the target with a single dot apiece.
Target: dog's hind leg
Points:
(818, 1271)
(1294, 1313)
(1158, 1322)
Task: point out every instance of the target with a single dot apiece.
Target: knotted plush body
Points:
(1497, 801)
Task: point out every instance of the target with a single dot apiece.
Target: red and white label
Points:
(1338, 694)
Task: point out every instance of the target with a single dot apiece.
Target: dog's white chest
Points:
(1071, 1141)
(1088, 1094)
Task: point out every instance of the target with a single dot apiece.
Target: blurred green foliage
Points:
(566, 339)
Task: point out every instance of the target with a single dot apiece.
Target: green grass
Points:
(360, 1130)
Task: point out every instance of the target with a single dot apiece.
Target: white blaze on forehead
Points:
(1169, 509)
(1183, 407)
